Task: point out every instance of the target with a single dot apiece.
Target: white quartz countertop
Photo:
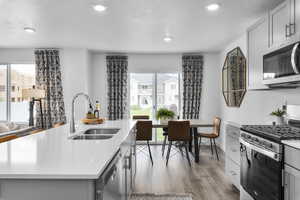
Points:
(52, 155)
(292, 143)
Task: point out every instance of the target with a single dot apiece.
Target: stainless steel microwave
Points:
(282, 66)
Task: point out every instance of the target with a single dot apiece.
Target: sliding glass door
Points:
(3, 93)
(152, 91)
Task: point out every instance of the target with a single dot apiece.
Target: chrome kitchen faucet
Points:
(72, 122)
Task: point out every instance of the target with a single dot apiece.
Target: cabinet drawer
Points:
(233, 149)
(292, 157)
(232, 171)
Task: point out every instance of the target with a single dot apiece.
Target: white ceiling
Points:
(127, 25)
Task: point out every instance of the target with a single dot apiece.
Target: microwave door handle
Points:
(293, 57)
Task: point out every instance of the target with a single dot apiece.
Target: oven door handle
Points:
(293, 57)
(265, 152)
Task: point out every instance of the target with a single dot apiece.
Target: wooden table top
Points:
(194, 123)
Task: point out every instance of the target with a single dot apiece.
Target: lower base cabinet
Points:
(232, 170)
(292, 183)
(232, 153)
(292, 174)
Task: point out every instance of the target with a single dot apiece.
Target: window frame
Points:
(9, 89)
(155, 96)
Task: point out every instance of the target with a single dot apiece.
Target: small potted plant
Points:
(278, 116)
(164, 115)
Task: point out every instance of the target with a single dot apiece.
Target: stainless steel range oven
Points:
(261, 167)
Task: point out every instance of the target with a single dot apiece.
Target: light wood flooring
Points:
(205, 181)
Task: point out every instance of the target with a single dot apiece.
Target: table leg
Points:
(196, 146)
(191, 141)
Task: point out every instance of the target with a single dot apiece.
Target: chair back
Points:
(179, 131)
(144, 130)
(136, 117)
(217, 126)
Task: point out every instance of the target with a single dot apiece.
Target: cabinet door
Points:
(258, 43)
(295, 14)
(232, 170)
(279, 22)
(292, 183)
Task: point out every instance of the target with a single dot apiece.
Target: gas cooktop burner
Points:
(277, 133)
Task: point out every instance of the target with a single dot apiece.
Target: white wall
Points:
(150, 63)
(257, 104)
(16, 55)
(75, 77)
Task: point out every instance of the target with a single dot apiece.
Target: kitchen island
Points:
(51, 165)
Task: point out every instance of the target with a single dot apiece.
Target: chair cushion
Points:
(208, 135)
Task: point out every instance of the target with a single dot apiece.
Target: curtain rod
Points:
(47, 48)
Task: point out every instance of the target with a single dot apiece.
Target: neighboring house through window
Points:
(14, 78)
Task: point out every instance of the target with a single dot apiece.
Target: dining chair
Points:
(179, 131)
(165, 134)
(8, 138)
(141, 117)
(212, 135)
(144, 131)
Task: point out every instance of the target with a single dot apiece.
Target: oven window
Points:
(260, 175)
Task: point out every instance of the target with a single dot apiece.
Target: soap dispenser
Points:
(97, 110)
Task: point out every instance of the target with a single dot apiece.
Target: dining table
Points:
(194, 125)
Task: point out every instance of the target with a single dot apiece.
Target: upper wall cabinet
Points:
(296, 14)
(278, 27)
(284, 22)
(258, 43)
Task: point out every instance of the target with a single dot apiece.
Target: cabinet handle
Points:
(292, 27)
(127, 162)
(99, 194)
(287, 30)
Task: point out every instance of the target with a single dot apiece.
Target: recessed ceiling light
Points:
(168, 39)
(99, 8)
(213, 7)
(29, 30)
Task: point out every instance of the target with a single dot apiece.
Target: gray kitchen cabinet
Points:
(283, 23)
(279, 22)
(295, 15)
(232, 154)
(258, 43)
(292, 174)
(292, 183)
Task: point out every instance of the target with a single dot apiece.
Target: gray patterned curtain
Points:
(48, 77)
(117, 86)
(192, 66)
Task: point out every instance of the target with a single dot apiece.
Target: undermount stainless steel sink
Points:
(101, 131)
(92, 137)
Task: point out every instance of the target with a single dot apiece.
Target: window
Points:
(14, 78)
(3, 98)
(173, 87)
(152, 91)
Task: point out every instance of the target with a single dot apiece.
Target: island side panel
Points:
(47, 189)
